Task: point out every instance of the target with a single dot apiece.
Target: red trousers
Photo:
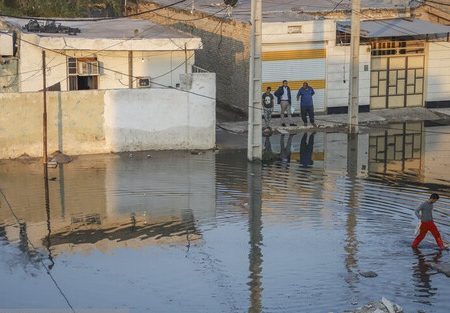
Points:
(425, 227)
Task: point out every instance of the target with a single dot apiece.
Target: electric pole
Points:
(254, 147)
(44, 114)
(354, 68)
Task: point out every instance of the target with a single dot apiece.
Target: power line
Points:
(40, 261)
(334, 9)
(118, 72)
(119, 43)
(432, 1)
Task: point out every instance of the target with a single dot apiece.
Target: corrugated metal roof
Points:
(286, 10)
(398, 27)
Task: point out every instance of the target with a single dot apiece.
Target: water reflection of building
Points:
(436, 157)
(336, 147)
(106, 202)
(414, 149)
(397, 148)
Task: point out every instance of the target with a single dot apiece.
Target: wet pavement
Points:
(323, 225)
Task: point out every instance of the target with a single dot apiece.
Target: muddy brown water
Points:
(209, 232)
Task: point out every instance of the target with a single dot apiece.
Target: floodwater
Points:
(209, 232)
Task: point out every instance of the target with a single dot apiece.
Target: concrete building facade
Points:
(113, 85)
(107, 54)
(303, 43)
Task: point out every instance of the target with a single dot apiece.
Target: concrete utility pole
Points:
(354, 67)
(254, 150)
(44, 114)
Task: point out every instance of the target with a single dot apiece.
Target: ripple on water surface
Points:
(210, 232)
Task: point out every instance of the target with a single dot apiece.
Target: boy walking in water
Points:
(425, 213)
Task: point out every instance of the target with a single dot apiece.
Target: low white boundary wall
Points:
(103, 121)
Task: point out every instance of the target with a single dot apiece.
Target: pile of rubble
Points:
(383, 306)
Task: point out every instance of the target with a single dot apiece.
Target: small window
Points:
(82, 73)
(295, 29)
(72, 66)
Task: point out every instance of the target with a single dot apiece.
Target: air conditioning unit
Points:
(88, 68)
(144, 82)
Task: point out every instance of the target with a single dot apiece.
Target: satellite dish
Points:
(231, 3)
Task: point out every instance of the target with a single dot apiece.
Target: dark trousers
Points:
(304, 111)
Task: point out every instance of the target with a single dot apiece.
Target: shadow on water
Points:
(290, 234)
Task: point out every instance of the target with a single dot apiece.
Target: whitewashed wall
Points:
(338, 70)
(438, 72)
(160, 119)
(311, 31)
(102, 121)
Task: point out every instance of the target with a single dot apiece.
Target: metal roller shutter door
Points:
(296, 66)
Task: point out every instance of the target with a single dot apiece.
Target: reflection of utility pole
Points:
(352, 155)
(351, 241)
(62, 191)
(254, 145)
(255, 228)
(47, 210)
(354, 68)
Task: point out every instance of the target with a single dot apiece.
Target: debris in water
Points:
(368, 274)
(52, 164)
(383, 306)
(443, 268)
(60, 158)
(25, 158)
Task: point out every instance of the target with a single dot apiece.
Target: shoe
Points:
(305, 124)
(314, 124)
(292, 124)
(283, 124)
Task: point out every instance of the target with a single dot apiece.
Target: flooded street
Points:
(209, 232)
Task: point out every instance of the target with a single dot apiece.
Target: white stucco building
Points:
(105, 54)
(113, 85)
(403, 62)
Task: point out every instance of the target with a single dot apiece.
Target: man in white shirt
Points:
(283, 95)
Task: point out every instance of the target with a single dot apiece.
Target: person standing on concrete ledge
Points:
(283, 95)
(267, 102)
(425, 213)
(305, 95)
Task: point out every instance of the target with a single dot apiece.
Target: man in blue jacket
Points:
(305, 95)
(283, 95)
